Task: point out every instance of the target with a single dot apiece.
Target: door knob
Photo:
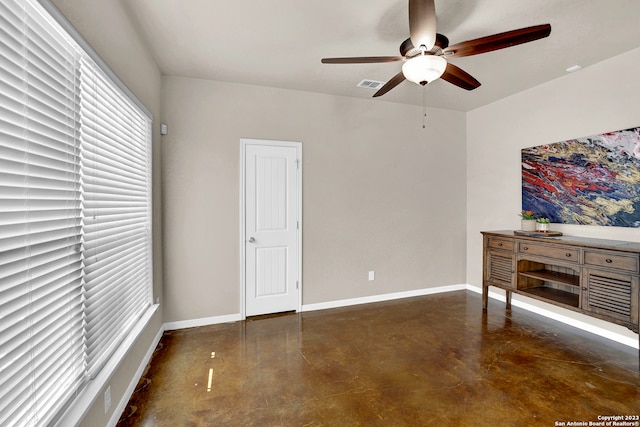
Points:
(252, 240)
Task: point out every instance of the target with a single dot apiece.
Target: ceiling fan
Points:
(426, 52)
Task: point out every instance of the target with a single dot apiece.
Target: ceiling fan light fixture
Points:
(423, 69)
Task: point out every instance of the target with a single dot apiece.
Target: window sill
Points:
(89, 394)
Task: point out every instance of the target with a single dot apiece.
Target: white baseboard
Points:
(382, 297)
(117, 413)
(602, 328)
(204, 321)
(192, 323)
(595, 326)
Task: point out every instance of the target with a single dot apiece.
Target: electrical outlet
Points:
(107, 399)
(372, 276)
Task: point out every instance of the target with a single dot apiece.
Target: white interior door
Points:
(271, 229)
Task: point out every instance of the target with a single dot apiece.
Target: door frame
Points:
(243, 238)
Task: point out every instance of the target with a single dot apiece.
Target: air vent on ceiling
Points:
(371, 84)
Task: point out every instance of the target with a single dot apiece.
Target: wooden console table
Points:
(596, 277)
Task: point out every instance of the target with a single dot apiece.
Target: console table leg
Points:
(508, 299)
(485, 296)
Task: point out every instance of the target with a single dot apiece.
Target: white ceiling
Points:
(279, 43)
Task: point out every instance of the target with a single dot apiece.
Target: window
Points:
(75, 215)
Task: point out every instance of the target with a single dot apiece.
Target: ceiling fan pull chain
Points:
(424, 106)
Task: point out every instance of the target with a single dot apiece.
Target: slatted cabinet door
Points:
(500, 269)
(610, 294)
(499, 262)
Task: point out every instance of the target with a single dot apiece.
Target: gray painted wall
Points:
(379, 193)
(597, 99)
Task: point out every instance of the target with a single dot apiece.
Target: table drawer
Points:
(611, 260)
(565, 254)
(506, 245)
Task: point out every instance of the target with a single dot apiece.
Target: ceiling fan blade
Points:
(498, 41)
(422, 23)
(362, 59)
(395, 81)
(457, 76)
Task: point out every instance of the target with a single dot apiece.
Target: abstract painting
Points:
(592, 181)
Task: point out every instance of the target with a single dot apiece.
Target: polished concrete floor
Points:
(427, 361)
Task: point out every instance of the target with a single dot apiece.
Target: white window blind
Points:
(41, 321)
(75, 216)
(116, 193)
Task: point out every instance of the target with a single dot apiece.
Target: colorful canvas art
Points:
(592, 181)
